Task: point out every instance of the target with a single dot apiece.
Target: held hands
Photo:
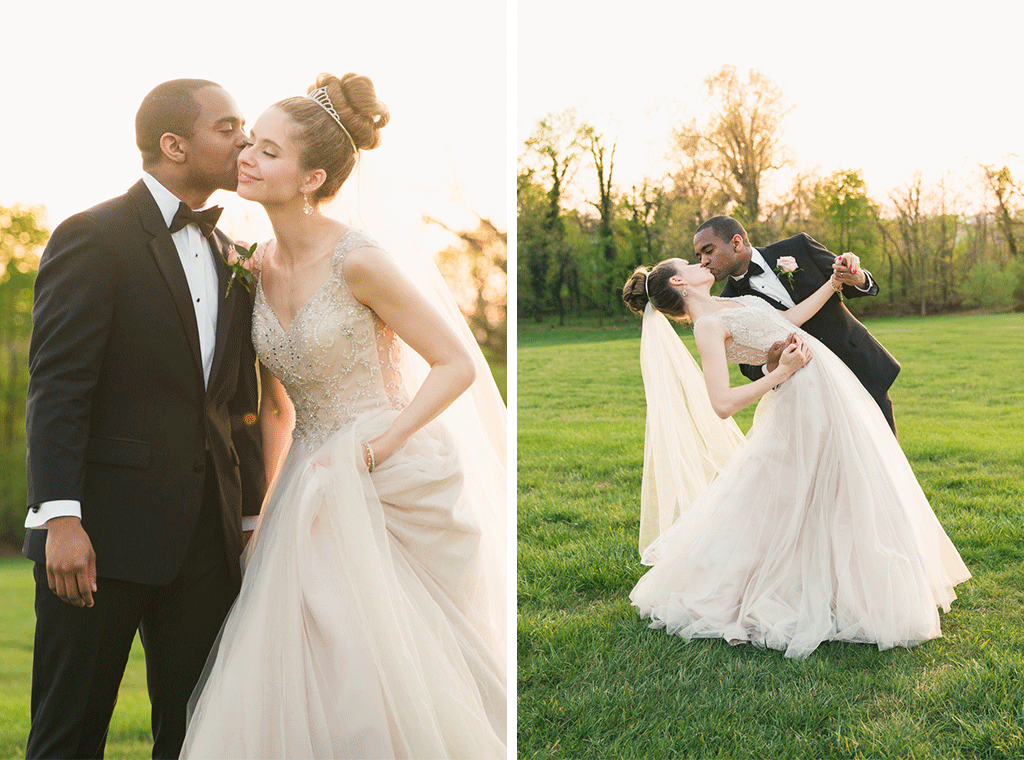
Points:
(70, 561)
(775, 352)
(846, 270)
(794, 356)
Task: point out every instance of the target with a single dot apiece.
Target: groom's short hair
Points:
(725, 228)
(169, 107)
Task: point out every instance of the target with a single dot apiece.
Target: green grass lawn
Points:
(129, 736)
(595, 682)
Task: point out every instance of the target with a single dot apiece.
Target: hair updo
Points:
(322, 143)
(652, 285)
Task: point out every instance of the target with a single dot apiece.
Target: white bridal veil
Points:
(686, 443)
(477, 420)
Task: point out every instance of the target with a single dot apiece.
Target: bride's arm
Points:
(377, 281)
(808, 307)
(711, 335)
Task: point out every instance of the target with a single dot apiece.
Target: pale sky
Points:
(889, 87)
(74, 74)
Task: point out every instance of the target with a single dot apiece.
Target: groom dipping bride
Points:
(812, 527)
(724, 249)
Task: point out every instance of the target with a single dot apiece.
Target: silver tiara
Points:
(322, 99)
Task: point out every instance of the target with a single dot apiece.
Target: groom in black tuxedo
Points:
(143, 444)
(724, 249)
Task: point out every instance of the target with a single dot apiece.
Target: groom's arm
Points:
(71, 318)
(823, 259)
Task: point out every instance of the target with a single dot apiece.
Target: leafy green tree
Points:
(850, 219)
(1007, 194)
(636, 224)
(604, 166)
(531, 243)
(1000, 184)
(740, 145)
(476, 269)
(22, 236)
(554, 149)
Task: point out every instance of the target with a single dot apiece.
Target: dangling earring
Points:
(306, 208)
(684, 293)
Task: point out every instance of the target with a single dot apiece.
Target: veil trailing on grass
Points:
(685, 443)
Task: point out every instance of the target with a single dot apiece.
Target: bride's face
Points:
(694, 275)
(269, 167)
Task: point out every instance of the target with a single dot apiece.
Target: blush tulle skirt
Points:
(359, 631)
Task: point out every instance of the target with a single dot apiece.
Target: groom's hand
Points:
(70, 561)
(848, 270)
(775, 352)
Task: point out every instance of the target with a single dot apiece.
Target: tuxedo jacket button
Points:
(197, 467)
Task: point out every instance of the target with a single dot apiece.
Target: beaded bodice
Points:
(755, 325)
(337, 359)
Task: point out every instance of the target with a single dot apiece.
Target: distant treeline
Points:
(927, 252)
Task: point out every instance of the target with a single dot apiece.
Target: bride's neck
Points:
(699, 304)
(300, 235)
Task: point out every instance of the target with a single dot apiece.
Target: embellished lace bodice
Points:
(337, 359)
(755, 325)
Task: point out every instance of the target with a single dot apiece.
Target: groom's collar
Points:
(755, 258)
(166, 201)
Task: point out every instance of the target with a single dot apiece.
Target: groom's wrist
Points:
(39, 514)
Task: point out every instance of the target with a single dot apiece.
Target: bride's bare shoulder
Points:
(710, 326)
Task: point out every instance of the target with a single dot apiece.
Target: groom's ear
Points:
(175, 148)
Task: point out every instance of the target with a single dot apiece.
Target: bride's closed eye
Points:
(250, 143)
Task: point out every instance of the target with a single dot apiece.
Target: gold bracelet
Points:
(372, 464)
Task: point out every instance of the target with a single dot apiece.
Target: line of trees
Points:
(928, 252)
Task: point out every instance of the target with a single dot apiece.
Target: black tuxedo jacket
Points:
(118, 416)
(833, 325)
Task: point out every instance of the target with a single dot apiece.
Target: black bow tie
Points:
(206, 219)
(752, 270)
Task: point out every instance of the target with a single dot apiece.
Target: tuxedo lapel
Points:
(225, 306)
(167, 260)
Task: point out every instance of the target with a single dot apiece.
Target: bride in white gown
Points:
(814, 527)
(371, 620)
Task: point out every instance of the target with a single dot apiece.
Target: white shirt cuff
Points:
(867, 282)
(249, 523)
(37, 518)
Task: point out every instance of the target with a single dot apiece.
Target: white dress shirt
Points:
(201, 273)
(767, 282)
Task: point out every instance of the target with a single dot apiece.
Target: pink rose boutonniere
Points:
(786, 265)
(239, 261)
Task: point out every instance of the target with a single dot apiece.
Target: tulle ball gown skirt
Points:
(358, 632)
(816, 530)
